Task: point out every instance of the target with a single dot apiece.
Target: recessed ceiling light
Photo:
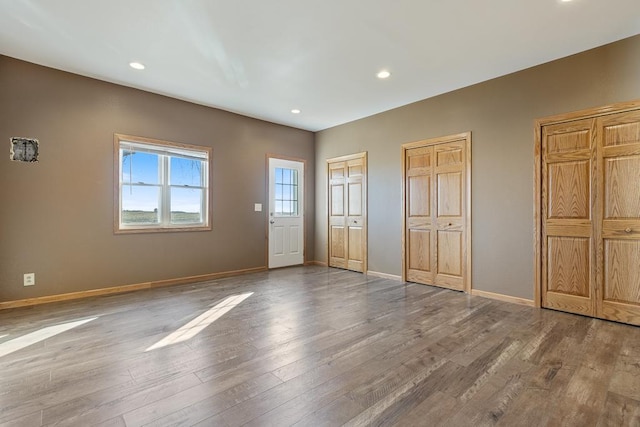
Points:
(136, 65)
(295, 111)
(383, 74)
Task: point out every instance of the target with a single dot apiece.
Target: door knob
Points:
(273, 221)
(355, 221)
(627, 230)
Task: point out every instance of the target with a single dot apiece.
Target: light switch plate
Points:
(257, 207)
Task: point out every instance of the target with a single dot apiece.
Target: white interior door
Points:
(286, 212)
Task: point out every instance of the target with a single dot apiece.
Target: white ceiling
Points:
(263, 58)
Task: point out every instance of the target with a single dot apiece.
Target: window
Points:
(286, 200)
(161, 186)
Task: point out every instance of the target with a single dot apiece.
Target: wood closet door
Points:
(449, 214)
(436, 244)
(420, 233)
(568, 186)
(337, 217)
(355, 218)
(619, 249)
(347, 191)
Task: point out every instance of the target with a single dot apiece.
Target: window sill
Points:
(145, 230)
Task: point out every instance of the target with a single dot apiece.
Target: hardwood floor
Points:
(314, 346)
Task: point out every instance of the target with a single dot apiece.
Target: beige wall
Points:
(500, 113)
(56, 216)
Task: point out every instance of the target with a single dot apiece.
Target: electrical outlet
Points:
(30, 279)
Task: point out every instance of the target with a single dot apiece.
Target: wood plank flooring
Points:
(314, 346)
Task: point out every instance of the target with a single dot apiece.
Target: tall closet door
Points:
(619, 250)
(590, 215)
(337, 215)
(437, 212)
(355, 210)
(449, 214)
(347, 192)
(420, 234)
(568, 257)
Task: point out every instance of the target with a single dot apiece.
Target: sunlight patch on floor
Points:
(194, 327)
(39, 335)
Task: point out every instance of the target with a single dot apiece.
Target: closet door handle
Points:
(627, 230)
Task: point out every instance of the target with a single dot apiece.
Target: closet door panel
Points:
(619, 252)
(622, 187)
(356, 197)
(568, 185)
(419, 233)
(450, 253)
(569, 265)
(337, 222)
(449, 218)
(569, 190)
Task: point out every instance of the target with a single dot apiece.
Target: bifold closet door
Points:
(569, 182)
(619, 249)
(436, 206)
(420, 234)
(347, 193)
(337, 217)
(590, 210)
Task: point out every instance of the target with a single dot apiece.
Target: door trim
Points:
(265, 205)
(592, 113)
(467, 220)
(365, 250)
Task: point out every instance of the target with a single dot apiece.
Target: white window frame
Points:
(165, 150)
